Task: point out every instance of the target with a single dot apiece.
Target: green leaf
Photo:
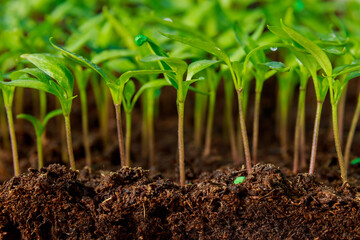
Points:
(129, 91)
(124, 78)
(278, 31)
(198, 66)
(35, 122)
(278, 66)
(335, 50)
(54, 68)
(151, 84)
(110, 54)
(311, 47)
(82, 61)
(239, 180)
(34, 84)
(50, 115)
(355, 161)
(201, 44)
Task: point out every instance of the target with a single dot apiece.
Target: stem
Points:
(302, 139)
(69, 142)
(42, 98)
(298, 127)
(40, 152)
(337, 142)
(229, 121)
(145, 125)
(181, 141)
(210, 123)
(120, 134)
(13, 141)
(199, 113)
(85, 127)
(315, 136)
(244, 133)
(150, 120)
(351, 133)
(341, 113)
(128, 138)
(256, 125)
(4, 129)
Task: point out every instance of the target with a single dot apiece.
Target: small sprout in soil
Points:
(39, 127)
(239, 180)
(355, 161)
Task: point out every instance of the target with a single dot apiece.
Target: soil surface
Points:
(57, 203)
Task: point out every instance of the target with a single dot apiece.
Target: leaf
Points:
(113, 53)
(239, 180)
(53, 68)
(278, 66)
(198, 66)
(355, 161)
(335, 50)
(311, 47)
(82, 61)
(50, 115)
(124, 78)
(35, 122)
(129, 91)
(152, 84)
(203, 45)
(35, 84)
(278, 31)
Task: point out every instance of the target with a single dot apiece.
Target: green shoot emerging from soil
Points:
(39, 127)
(52, 76)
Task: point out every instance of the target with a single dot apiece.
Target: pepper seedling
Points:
(8, 97)
(210, 47)
(131, 96)
(52, 76)
(39, 127)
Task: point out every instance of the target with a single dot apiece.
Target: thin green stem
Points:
(150, 128)
(244, 133)
(210, 123)
(351, 134)
(256, 125)
(229, 121)
(120, 134)
(181, 142)
(85, 127)
(341, 114)
(337, 142)
(4, 129)
(40, 152)
(144, 126)
(13, 141)
(315, 137)
(297, 138)
(128, 138)
(199, 113)
(69, 142)
(302, 139)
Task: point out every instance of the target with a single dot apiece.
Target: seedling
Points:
(131, 96)
(39, 127)
(179, 68)
(8, 96)
(239, 180)
(237, 80)
(52, 76)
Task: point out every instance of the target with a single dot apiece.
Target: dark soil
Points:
(57, 203)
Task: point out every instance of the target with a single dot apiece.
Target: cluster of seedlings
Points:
(191, 58)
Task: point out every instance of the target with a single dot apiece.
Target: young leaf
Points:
(129, 91)
(113, 53)
(198, 66)
(311, 47)
(50, 115)
(203, 45)
(278, 66)
(82, 61)
(54, 68)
